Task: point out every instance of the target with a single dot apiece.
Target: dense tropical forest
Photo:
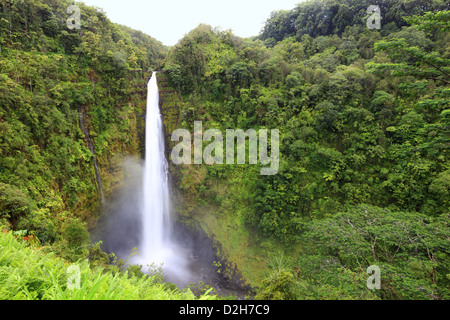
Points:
(363, 180)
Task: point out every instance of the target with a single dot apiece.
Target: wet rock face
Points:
(83, 115)
(210, 265)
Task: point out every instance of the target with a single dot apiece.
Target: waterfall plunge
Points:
(155, 204)
(156, 245)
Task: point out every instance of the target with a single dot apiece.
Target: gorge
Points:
(361, 174)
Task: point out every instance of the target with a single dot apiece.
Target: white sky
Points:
(169, 20)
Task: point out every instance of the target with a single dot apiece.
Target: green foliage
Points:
(348, 136)
(363, 120)
(49, 74)
(423, 65)
(411, 249)
(14, 204)
(76, 234)
(174, 72)
(280, 283)
(27, 274)
(431, 21)
(326, 17)
(66, 99)
(279, 287)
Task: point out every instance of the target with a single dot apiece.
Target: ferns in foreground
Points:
(31, 274)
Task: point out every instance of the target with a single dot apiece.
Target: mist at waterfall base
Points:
(140, 216)
(187, 256)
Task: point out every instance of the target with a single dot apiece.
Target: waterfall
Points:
(157, 246)
(155, 203)
(142, 216)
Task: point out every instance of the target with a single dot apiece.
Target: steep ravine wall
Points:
(109, 164)
(83, 115)
(229, 275)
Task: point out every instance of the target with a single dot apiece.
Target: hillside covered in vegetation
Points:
(364, 133)
(70, 101)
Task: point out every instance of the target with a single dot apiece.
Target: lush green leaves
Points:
(408, 247)
(29, 274)
(363, 120)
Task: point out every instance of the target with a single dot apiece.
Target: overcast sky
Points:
(169, 20)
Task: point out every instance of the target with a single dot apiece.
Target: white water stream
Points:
(155, 205)
(156, 245)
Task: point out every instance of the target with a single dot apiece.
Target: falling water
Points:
(155, 205)
(157, 246)
(185, 257)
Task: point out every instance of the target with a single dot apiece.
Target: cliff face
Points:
(115, 150)
(71, 106)
(195, 219)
